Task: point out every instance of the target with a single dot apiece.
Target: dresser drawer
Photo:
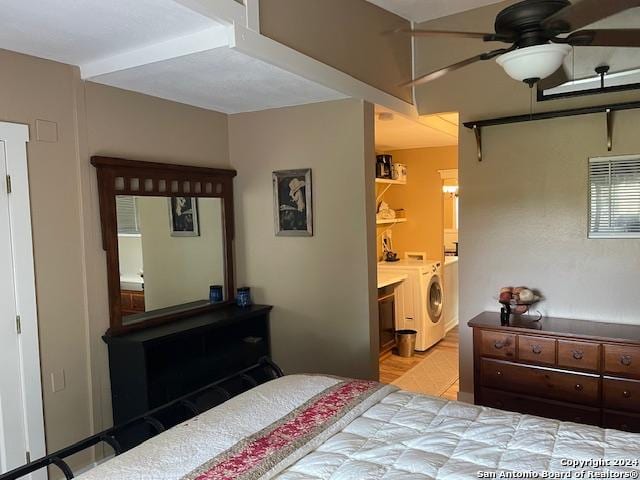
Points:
(126, 302)
(579, 355)
(621, 421)
(621, 394)
(497, 344)
(622, 360)
(537, 406)
(137, 300)
(533, 349)
(540, 382)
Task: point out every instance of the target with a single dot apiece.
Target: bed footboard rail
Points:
(265, 366)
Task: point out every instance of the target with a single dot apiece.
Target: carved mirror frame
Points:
(119, 176)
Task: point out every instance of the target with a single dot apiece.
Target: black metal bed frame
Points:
(264, 365)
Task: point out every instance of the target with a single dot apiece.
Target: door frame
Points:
(15, 137)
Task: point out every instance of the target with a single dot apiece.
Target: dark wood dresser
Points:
(154, 366)
(573, 370)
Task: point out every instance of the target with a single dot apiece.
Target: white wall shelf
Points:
(390, 221)
(391, 182)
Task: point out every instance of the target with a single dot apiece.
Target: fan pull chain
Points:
(531, 103)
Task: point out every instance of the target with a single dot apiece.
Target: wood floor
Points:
(395, 366)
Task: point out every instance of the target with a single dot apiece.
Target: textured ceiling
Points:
(222, 79)
(427, 131)
(423, 10)
(80, 31)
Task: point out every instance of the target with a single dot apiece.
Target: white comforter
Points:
(392, 435)
(410, 436)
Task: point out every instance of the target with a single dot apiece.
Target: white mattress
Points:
(390, 436)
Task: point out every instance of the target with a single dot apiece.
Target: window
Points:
(614, 197)
(127, 214)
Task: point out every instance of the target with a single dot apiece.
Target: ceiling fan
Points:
(536, 31)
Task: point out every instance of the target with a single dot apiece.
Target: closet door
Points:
(12, 414)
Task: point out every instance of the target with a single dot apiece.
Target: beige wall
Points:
(320, 285)
(346, 35)
(533, 176)
(180, 269)
(69, 260)
(422, 200)
(130, 256)
(38, 89)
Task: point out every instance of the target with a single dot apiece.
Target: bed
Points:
(319, 427)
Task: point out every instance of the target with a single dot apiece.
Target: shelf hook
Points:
(609, 129)
(478, 131)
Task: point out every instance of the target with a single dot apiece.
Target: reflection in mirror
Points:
(450, 218)
(171, 250)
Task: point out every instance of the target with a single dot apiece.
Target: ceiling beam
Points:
(263, 48)
(228, 12)
(214, 37)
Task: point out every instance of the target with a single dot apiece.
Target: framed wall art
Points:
(293, 207)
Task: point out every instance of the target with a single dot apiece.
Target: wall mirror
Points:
(167, 232)
(450, 203)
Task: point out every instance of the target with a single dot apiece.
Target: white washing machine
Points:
(419, 299)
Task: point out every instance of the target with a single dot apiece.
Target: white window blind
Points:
(614, 197)
(127, 215)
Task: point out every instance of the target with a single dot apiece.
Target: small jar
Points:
(215, 293)
(243, 298)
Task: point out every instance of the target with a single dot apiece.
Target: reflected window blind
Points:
(127, 215)
(614, 197)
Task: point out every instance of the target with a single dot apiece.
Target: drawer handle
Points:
(499, 373)
(579, 387)
(499, 344)
(626, 394)
(578, 355)
(537, 349)
(626, 360)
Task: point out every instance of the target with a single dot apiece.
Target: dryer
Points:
(419, 300)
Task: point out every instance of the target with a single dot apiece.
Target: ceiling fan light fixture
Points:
(536, 62)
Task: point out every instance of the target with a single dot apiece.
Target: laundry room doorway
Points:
(416, 233)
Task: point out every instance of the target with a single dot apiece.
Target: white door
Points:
(21, 413)
(12, 426)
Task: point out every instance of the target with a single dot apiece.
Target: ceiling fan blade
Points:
(560, 77)
(456, 66)
(585, 12)
(622, 37)
(443, 33)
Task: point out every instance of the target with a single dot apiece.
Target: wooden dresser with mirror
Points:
(572, 370)
(168, 233)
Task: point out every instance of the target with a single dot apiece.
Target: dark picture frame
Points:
(183, 217)
(293, 202)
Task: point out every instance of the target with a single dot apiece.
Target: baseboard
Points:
(451, 324)
(465, 397)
